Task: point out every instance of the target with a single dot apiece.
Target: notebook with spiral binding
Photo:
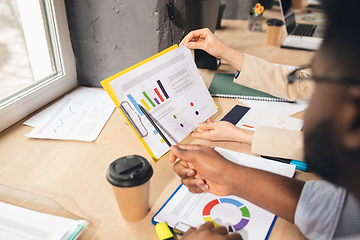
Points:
(222, 85)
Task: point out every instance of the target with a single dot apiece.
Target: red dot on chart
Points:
(191, 104)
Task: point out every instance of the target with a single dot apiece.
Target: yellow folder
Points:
(107, 86)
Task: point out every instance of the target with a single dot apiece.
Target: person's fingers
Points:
(196, 45)
(193, 185)
(181, 152)
(209, 120)
(191, 229)
(206, 126)
(203, 131)
(186, 39)
(200, 134)
(182, 169)
(221, 230)
(206, 225)
(172, 157)
(183, 148)
(234, 236)
(191, 36)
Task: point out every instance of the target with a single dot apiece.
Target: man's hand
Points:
(202, 169)
(208, 232)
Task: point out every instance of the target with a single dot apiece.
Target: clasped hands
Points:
(202, 169)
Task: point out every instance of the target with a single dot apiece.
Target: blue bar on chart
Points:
(162, 89)
(132, 100)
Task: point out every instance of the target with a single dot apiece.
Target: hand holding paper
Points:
(170, 88)
(222, 131)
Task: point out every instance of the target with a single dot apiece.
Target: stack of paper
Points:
(18, 223)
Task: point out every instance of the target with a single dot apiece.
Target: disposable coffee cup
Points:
(297, 4)
(130, 180)
(273, 31)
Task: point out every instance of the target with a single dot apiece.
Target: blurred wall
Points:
(110, 35)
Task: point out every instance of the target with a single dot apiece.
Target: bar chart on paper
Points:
(172, 91)
(150, 102)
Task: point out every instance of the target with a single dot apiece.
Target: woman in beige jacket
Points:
(261, 75)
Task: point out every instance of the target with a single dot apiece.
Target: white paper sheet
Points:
(282, 108)
(172, 90)
(80, 115)
(255, 117)
(236, 214)
(18, 223)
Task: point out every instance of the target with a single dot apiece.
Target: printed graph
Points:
(281, 123)
(61, 119)
(244, 211)
(150, 102)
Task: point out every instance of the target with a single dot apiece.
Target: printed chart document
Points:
(255, 117)
(282, 108)
(185, 209)
(23, 224)
(80, 115)
(250, 118)
(170, 87)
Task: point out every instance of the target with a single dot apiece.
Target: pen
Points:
(154, 125)
(298, 164)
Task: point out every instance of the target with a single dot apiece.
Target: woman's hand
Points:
(205, 40)
(222, 131)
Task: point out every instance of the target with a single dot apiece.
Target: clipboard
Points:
(169, 86)
(180, 227)
(136, 126)
(183, 208)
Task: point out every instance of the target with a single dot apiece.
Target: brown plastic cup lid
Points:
(274, 22)
(129, 171)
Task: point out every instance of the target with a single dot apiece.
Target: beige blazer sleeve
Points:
(271, 78)
(271, 141)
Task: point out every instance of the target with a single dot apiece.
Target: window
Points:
(36, 60)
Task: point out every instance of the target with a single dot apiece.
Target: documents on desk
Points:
(19, 223)
(282, 108)
(254, 118)
(185, 209)
(250, 118)
(169, 86)
(80, 115)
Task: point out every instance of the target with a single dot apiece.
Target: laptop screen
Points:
(288, 14)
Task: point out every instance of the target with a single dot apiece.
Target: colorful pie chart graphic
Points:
(244, 219)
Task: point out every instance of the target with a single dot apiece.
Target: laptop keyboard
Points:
(304, 30)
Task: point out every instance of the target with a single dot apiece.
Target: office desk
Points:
(73, 172)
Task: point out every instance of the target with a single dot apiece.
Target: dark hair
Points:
(342, 35)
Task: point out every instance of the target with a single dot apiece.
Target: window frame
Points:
(36, 98)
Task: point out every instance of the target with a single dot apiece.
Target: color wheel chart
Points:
(243, 210)
(149, 102)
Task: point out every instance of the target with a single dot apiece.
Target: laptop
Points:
(300, 36)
